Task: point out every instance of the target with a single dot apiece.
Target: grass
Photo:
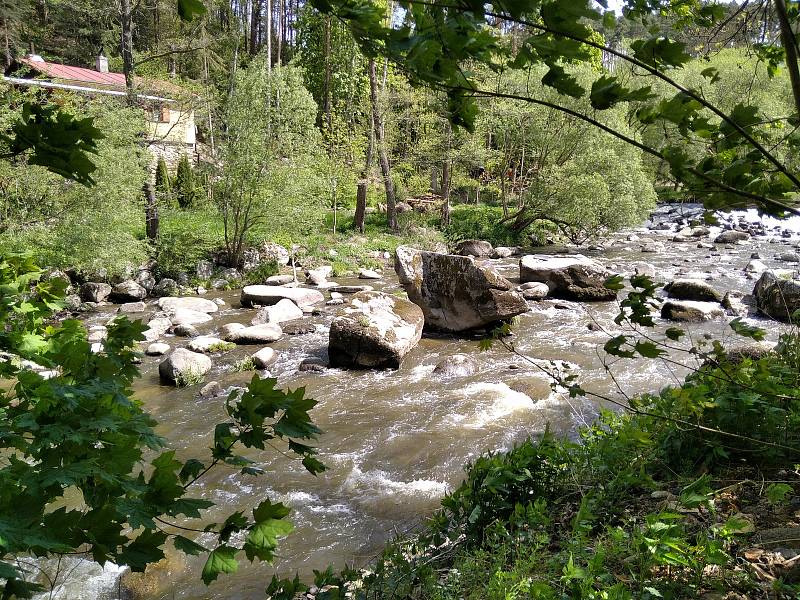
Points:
(189, 378)
(246, 364)
(221, 347)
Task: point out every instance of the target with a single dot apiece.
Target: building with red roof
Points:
(169, 109)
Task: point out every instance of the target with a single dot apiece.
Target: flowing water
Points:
(396, 441)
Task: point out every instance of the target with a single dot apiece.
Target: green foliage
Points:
(481, 222)
(78, 441)
(163, 182)
(96, 229)
(262, 272)
(185, 188)
(244, 365)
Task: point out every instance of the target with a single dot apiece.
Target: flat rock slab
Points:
(454, 292)
(208, 343)
(377, 330)
(267, 295)
(173, 304)
(350, 289)
(185, 316)
(569, 277)
(690, 311)
(255, 334)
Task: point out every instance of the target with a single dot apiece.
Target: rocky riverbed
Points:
(396, 438)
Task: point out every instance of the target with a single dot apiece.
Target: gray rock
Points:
(350, 289)
(731, 237)
(208, 343)
(210, 390)
(272, 252)
(204, 269)
(264, 357)
(477, 248)
(369, 274)
(319, 276)
(97, 333)
(285, 310)
(700, 232)
(503, 252)
(158, 349)
(186, 330)
(128, 291)
(692, 289)
(454, 292)
(645, 269)
(313, 365)
(171, 305)
(266, 295)
(568, 277)
(183, 366)
(458, 365)
(95, 292)
(534, 290)
(132, 307)
(255, 334)
(377, 330)
(776, 297)
(185, 316)
(755, 266)
(403, 207)
(298, 327)
(72, 302)
(690, 311)
(791, 257)
(165, 287)
(653, 248)
(279, 279)
(146, 280)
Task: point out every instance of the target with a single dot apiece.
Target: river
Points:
(395, 441)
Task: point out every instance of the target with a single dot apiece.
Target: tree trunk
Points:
(377, 121)
(446, 181)
(363, 184)
(269, 36)
(281, 30)
(255, 25)
(789, 43)
(151, 212)
(126, 20)
(328, 76)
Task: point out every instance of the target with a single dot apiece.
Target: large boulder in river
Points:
(690, 311)
(568, 277)
(731, 237)
(172, 305)
(128, 291)
(692, 289)
(285, 310)
(478, 248)
(266, 295)
(776, 297)
(377, 330)
(95, 292)
(454, 292)
(264, 333)
(184, 366)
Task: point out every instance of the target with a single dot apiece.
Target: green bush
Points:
(186, 238)
(163, 182)
(185, 188)
(480, 222)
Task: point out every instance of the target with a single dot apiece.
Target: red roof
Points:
(57, 71)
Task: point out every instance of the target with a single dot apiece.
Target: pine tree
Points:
(185, 190)
(163, 183)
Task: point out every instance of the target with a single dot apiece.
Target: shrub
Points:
(163, 183)
(185, 188)
(481, 222)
